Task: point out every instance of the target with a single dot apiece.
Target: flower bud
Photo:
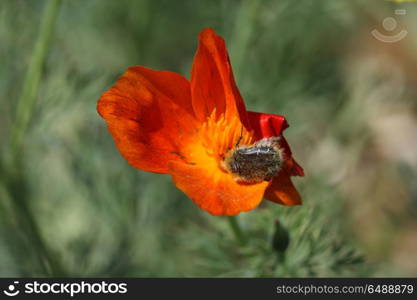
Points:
(280, 239)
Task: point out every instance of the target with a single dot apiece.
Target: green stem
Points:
(33, 76)
(237, 230)
(24, 111)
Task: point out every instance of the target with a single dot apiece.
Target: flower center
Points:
(226, 145)
(220, 135)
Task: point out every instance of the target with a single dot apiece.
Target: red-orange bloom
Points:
(200, 132)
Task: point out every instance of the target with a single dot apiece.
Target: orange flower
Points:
(223, 157)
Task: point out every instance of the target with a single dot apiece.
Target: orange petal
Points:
(215, 191)
(282, 191)
(149, 114)
(212, 82)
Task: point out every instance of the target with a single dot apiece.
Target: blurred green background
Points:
(70, 205)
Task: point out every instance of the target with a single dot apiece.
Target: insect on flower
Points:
(225, 158)
(259, 162)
